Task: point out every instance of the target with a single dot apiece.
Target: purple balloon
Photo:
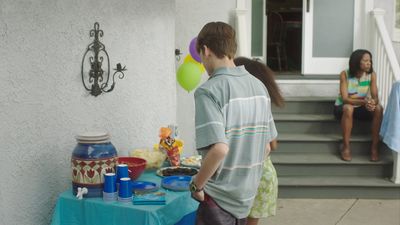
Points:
(192, 49)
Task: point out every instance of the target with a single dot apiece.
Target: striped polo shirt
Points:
(357, 88)
(234, 107)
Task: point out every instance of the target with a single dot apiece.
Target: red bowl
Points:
(136, 165)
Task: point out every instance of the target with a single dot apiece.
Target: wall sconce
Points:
(96, 80)
(178, 54)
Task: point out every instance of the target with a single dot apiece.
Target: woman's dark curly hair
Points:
(355, 60)
(265, 75)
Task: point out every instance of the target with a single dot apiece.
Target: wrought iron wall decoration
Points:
(178, 54)
(96, 80)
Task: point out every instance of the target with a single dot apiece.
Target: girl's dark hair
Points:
(355, 60)
(265, 75)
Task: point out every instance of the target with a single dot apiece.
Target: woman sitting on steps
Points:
(358, 99)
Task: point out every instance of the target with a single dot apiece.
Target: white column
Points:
(364, 35)
(241, 29)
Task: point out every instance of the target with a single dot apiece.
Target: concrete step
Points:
(321, 143)
(316, 123)
(339, 187)
(306, 105)
(325, 143)
(319, 137)
(322, 164)
(307, 159)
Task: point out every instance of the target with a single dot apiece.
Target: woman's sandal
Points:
(345, 155)
(374, 157)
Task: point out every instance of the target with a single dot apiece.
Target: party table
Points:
(179, 209)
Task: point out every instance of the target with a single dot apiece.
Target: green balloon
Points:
(188, 75)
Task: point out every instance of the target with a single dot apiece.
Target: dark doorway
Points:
(284, 35)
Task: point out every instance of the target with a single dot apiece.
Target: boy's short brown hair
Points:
(219, 37)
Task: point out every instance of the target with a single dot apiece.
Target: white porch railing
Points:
(385, 62)
(386, 67)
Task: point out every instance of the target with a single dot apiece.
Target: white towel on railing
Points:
(390, 128)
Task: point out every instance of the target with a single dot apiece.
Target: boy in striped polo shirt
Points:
(234, 125)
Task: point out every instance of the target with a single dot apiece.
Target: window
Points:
(396, 30)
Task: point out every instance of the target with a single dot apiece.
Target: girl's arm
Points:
(374, 89)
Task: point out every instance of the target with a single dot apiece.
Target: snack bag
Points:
(173, 147)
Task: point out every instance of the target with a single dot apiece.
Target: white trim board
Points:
(309, 88)
(307, 81)
(396, 31)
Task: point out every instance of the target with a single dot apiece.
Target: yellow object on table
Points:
(171, 145)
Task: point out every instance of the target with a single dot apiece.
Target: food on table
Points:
(172, 146)
(193, 161)
(154, 158)
(177, 171)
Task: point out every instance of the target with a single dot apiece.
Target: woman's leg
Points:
(347, 125)
(376, 125)
(252, 221)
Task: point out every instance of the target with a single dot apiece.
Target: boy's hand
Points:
(199, 196)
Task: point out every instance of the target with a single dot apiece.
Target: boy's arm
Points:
(374, 89)
(208, 167)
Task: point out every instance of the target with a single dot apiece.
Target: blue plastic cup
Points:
(110, 185)
(125, 190)
(122, 171)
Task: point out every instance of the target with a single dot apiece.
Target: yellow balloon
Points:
(189, 58)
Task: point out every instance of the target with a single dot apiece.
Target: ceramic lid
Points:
(93, 137)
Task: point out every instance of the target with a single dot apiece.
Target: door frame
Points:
(330, 65)
(361, 38)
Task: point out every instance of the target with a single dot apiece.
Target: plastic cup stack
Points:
(125, 191)
(122, 172)
(110, 187)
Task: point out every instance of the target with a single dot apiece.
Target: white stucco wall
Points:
(44, 105)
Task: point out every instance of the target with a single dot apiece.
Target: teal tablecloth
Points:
(94, 211)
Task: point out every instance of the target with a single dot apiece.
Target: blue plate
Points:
(143, 186)
(176, 183)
